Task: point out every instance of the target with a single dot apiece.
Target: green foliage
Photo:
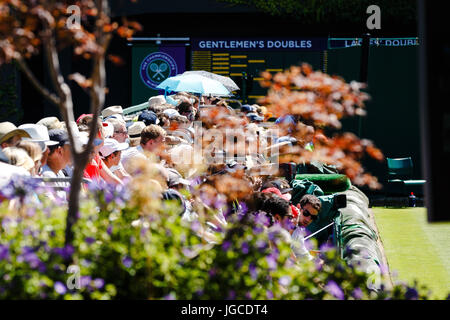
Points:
(333, 11)
(124, 252)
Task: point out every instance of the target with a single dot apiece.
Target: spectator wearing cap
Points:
(58, 158)
(96, 168)
(148, 117)
(59, 155)
(134, 132)
(135, 150)
(10, 135)
(110, 153)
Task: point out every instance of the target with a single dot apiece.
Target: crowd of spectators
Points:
(166, 127)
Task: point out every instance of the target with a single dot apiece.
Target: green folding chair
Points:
(400, 172)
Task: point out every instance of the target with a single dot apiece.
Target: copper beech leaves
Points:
(22, 23)
(320, 101)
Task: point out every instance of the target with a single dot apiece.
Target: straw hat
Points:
(156, 101)
(111, 111)
(9, 130)
(51, 123)
(134, 131)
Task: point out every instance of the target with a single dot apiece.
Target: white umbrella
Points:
(195, 84)
(226, 81)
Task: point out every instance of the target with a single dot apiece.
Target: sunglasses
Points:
(306, 213)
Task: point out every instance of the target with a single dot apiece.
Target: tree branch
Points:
(61, 87)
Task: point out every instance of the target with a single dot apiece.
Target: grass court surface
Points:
(416, 249)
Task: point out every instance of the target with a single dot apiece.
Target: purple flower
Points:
(226, 245)
(384, 269)
(195, 226)
(41, 267)
(261, 218)
(29, 257)
(199, 293)
(109, 230)
(89, 240)
(60, 288)
(65, 252)
(357, 293)
(269, 294)
(285, 281)
(4, 252)
(272, 262)
(85, 281)
(109, 196)
(170, 296)
(253, 271)
(99, 283)
(261, 245)
(326, 247)
(243, 208)
(288, 225)
(212, 272)
(231, 295)
(248, 295)
(127, 262)
(411, 294)
(31, 212)
(334, 289)
(309, 245)
(219, 203)
(5, 223)
(245, 248)
(257, 230)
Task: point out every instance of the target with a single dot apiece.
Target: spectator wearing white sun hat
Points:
(110, 153)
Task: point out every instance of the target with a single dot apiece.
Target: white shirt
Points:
(48, 173)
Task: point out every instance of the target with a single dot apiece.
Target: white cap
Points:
(171, 113)
(112, 145)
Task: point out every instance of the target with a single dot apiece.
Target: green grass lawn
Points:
(416, 249)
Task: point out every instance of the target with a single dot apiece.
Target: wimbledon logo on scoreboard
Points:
(157, 67)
